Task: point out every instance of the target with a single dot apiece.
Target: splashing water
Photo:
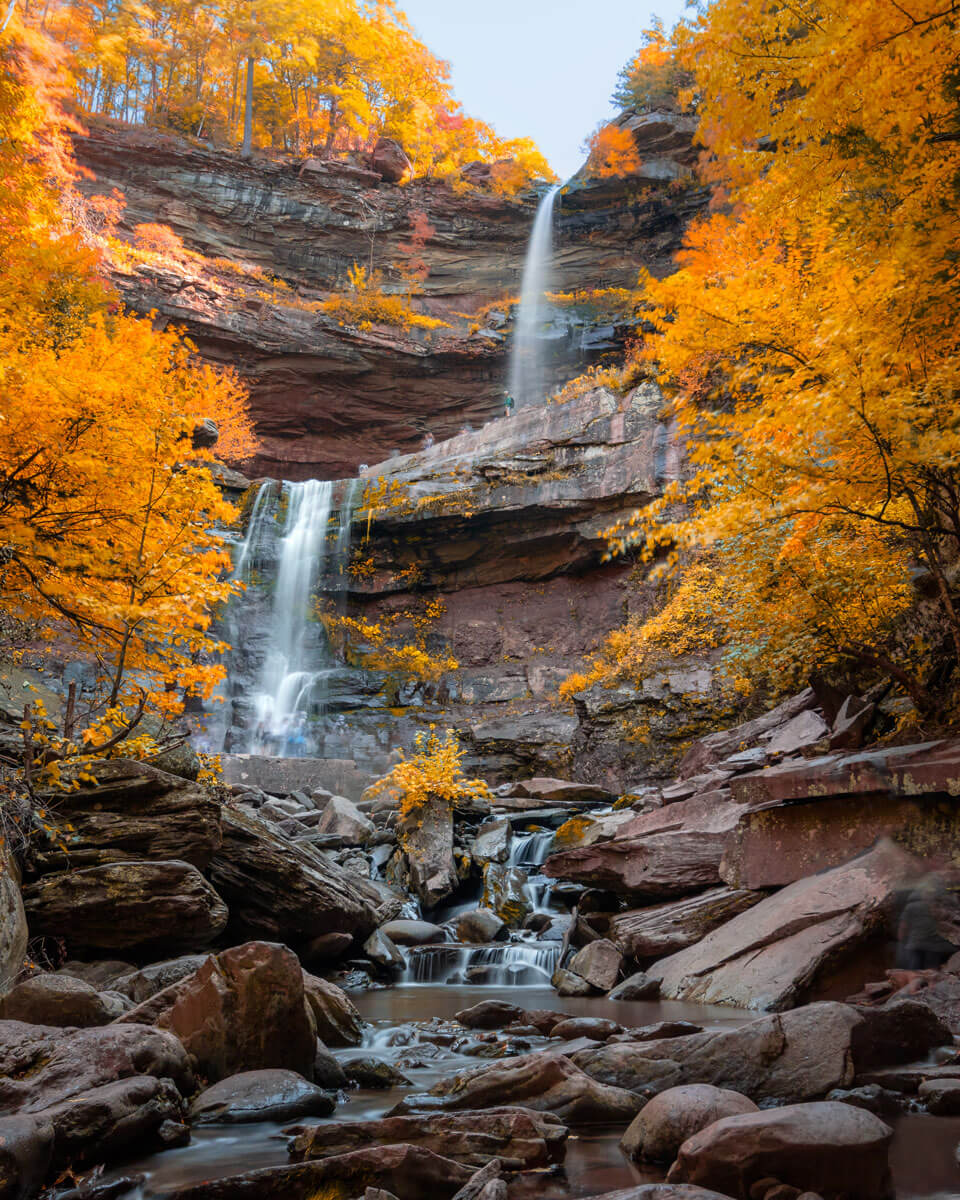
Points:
(527, 359)
(313, 551)
(507, 964)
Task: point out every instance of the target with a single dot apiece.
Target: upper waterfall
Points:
(527, 358)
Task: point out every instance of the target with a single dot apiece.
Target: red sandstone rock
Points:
(771, 956)
(243, 1010)
(828, 1147)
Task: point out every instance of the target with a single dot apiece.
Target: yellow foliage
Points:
(108, 516)
(808, 340)
(434, 771)
(330, 78)
(396, 643)
(367, 303)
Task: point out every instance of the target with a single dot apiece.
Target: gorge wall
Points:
(327, 397)
(503, 523)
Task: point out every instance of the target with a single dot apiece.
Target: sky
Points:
(538, 68)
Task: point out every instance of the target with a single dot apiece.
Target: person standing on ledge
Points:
(507, 404)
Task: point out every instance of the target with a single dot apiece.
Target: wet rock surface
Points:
(544, 1082)
(147, 906)
(828, 1148)
(521, 1138)
(665, 1122)
(243, 1010)
(269, 1095)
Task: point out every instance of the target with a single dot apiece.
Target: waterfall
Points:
(252, 537)
(508, 964)
(528, 383)
(529, 852)
(313, 555)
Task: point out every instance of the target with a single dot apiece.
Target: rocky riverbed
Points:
(561, 992)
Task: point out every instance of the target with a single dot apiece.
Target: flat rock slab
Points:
(147, 906)
(769, 957)
(283, 776)
(785, 1057)
(669, 852)
(133, 811)
(666, 928)
(545, 1082)
(929, 768)
(520, 1138)
(408, 1171)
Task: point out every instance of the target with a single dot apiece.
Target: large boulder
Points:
(142, 984)
(505, 893)
(139, 1113)
(480, 926)
(426, 838)
(666, 928)
(784, 1057)
(341, 818)
(132, 812)
(545, 1082)
(146, 906)
(59, 1000)
(276, 890)
(520, 1138)
(335, 1015)
(390, 162)
(828, 1148)
(413, 933)
(490, 1014)
(492, 843)
(668, 852)
(26, 1155)
(260, 1096)
(13, 920)
(408, 1171)
(243, 1010)
(665, 1122)
(563, 791)
(42, 1067)
(599, 963)
(772, 956)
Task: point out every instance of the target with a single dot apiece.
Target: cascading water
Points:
(528, 382)
(522, 963)
(314, 552)
(529, 852)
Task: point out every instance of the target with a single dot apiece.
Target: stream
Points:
(922, 1157)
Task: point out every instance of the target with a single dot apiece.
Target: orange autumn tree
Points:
(611, 153)
(107, 513)
(327, 77)
(808, 341)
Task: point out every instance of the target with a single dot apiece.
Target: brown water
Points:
(922, 1156)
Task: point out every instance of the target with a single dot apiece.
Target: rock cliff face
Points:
(505, 524)
(327, 397)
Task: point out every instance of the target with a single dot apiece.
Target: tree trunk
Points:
(247, 148)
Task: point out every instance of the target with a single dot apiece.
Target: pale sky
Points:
(538, 68)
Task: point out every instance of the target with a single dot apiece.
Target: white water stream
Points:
(314, 551)
(528, 383)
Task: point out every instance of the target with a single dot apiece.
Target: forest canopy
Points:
(307, 76)
(807, 345)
